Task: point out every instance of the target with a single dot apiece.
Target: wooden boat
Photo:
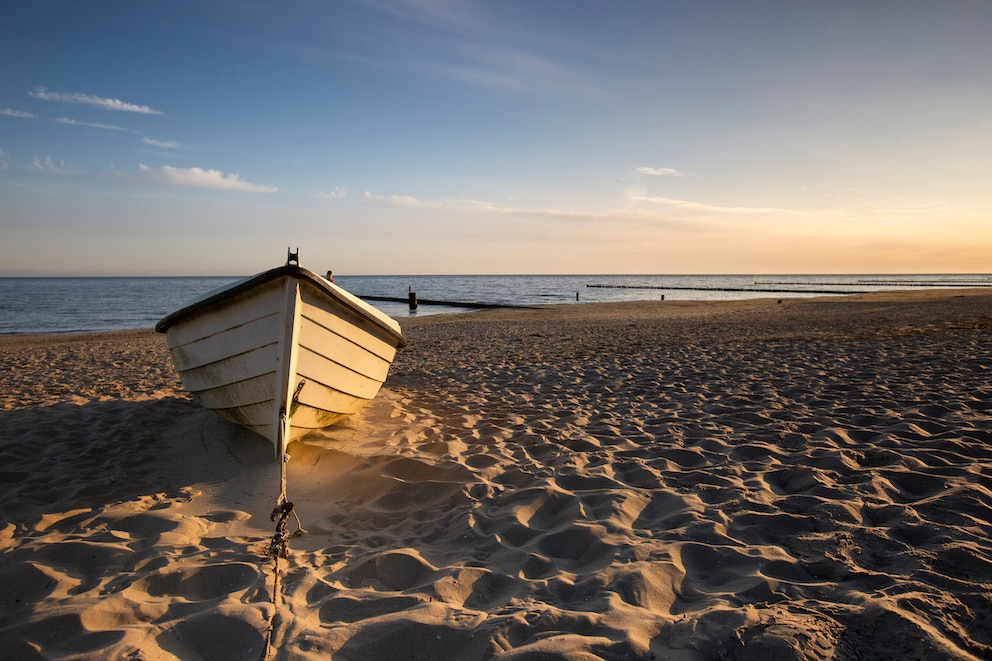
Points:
(283, 352)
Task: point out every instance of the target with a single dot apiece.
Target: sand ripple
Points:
(809, 480)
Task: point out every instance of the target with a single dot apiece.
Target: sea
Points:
(89, 304)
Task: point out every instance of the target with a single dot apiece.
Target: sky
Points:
(389, 137)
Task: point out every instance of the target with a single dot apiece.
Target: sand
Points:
(804, 479)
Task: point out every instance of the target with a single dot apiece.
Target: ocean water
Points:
(73, 305)
(76, 305)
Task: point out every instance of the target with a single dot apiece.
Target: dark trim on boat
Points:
(244, 286)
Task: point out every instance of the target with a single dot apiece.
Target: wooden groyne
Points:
(886, 283)
(758, 290)
(450, 304)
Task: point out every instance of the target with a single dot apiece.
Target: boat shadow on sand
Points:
(143, 527)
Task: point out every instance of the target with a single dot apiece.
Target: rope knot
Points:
(278, 547)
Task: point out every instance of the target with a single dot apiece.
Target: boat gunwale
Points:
(243, 286)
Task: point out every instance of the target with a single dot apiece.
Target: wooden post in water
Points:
(412, 297)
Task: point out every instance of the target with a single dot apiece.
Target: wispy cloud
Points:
(90, 100)
(200, 178)
(569, 218)
(902, 207)
(410, 202)
(501, 68)
(507, 210)
(401, 201)
(9, 112)
(95, 125)
(702, 206)
(50, 166)
(661, 172)
(23, 186)
(337, 193)
(477, 44)
(164, 144)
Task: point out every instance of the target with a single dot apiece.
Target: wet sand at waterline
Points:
(804, 479)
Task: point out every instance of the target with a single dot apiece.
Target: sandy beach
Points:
(794, 479)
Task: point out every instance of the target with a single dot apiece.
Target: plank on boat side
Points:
(317, 396)
(314, 367)
(227, 344)
(225, 315)
(307, 419)
(256, 390)
(328, 345)
(258, 417)
(231, 370)
(348, 324)
(254, 416)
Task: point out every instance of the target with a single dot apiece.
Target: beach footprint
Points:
(203, 583)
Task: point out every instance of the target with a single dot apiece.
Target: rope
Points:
(275, 611)
(279, 544)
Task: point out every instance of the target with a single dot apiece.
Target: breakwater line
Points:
(450, 304)
(735, 289)
(885, 283)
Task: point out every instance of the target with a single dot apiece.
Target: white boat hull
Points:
(282, 353)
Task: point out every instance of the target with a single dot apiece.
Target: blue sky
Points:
(416, 137)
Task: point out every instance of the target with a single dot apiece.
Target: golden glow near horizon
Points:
(400, 138)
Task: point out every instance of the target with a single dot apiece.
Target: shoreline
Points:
(894, 295)
(30, 379)
(752, 479)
